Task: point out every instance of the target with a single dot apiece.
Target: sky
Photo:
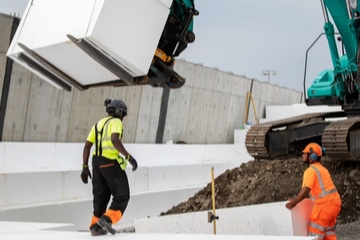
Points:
(248, 37)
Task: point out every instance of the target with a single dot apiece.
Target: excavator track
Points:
(340, 139)
(257, 142)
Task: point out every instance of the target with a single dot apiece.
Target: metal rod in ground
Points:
(213, 197)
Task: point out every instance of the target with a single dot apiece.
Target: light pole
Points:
(268, 72)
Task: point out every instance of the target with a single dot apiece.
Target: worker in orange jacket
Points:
(318, 184)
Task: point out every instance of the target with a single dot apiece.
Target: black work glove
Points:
(85, 174)
(133, 162)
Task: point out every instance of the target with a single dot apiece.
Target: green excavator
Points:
(339, 86)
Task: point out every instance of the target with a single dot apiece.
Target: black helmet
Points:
(117, 107)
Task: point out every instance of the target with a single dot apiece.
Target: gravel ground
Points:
(348, 231)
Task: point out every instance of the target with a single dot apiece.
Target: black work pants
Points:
(109, 179)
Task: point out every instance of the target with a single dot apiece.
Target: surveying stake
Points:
(211, 215)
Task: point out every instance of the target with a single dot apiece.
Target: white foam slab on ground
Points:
(46, 231)
(263, 219)
(54, 168)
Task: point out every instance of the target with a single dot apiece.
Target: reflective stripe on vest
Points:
(98, 146)
(322, 187)
(105, 140)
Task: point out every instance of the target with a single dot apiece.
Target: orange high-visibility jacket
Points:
(323, 190)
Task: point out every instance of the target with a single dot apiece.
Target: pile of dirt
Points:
(257, 182)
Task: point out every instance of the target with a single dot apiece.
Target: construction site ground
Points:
(265, 181)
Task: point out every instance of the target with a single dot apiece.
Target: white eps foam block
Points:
(126, 31)
(270, 219)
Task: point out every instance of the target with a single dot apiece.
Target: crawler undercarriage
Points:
(286, 138)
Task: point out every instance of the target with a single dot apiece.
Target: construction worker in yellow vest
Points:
(109, 161)
(318, 184)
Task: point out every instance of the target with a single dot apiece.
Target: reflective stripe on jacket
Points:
(318, 179)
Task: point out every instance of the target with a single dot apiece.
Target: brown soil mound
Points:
(258, 182)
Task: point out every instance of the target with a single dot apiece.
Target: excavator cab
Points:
(340, 85)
